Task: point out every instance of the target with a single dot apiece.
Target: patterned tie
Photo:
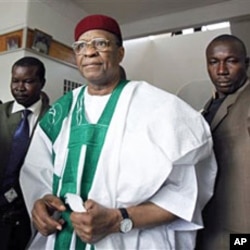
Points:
(20, 143)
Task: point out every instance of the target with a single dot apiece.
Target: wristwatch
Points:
(126, 224)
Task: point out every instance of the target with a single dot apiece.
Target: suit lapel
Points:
(225, 106)
(13, 121)
(8, 125)
(207, 105)
(221, 113)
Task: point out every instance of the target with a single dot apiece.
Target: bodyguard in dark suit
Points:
(228, 114)
(27, 81)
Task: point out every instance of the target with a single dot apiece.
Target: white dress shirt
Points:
(34, 108)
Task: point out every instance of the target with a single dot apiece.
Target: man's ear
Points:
(121, 54)
(247, 62)
(43, 83)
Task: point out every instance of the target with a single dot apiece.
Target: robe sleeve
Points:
(186, 192)
(35, 178)
(190, 184)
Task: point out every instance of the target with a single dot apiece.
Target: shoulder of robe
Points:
(52, 121)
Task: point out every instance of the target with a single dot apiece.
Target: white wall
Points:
(6, 61)
(13, 15)
(57, 18)
(215, 13)
(172, 63)
(167, 63)
(240, 28)
(56, 72)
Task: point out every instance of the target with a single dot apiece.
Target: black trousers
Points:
(15, 230)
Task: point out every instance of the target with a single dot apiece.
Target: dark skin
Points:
(227, 66)
(26, 85)
(101, 69)
(98, 221)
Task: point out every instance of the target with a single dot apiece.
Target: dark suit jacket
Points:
(228, 210)
(8, 124)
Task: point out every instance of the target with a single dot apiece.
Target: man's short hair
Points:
(30, 61)
(230, 38)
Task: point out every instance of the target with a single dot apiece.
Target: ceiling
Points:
(127, 11)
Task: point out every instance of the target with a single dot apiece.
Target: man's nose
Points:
(90, 51)
(222, 68)
(21, 85)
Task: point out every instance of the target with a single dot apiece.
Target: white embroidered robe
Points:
(157, 149)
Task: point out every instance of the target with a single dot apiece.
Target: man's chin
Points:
(24, 102)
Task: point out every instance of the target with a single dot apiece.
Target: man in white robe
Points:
(140, 158)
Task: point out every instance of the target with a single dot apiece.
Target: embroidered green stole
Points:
(93, 137)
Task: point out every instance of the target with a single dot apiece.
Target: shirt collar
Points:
(35, 108)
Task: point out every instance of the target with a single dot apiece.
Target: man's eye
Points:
(211, 62)
(100, 44)
(232, 60)
(29, 81)
(81, 45)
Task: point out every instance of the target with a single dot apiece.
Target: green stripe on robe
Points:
(93, 136)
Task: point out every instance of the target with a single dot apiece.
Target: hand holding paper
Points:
(75, 202)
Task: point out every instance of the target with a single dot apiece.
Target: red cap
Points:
(100, 22)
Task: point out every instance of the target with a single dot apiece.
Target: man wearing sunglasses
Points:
(124, 165)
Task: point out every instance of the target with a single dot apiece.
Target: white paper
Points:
(75, 202)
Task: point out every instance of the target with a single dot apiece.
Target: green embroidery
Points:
(93, 136)
(51, 122)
